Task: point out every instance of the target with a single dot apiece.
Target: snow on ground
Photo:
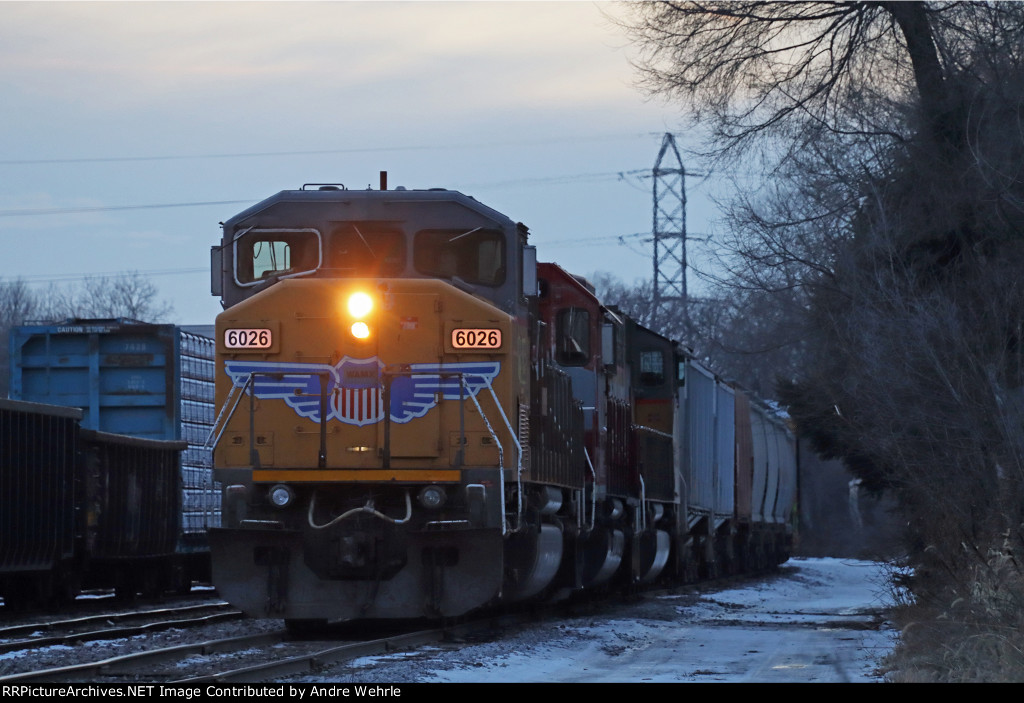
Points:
(816, 620)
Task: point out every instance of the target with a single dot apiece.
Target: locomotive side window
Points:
(367, 249)
(652, 368)
(475, 255)
(573, 337)
(270, 257)
(263, 253)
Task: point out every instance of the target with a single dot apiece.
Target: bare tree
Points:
(17, 304)
(635, 300)
(893, 221)
(749, 71)
(129, 295)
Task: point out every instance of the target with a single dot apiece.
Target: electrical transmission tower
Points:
(669, 234)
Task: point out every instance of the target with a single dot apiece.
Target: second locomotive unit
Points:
(417, 420)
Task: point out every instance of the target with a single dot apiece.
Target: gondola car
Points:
(81, 508)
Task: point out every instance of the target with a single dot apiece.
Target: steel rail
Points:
(17, 630)
(127, 663)
(121, 632)
(311, 662)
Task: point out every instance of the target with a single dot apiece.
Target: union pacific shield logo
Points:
(355, 390)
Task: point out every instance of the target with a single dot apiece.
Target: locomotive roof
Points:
(581, 287)
(328, 194)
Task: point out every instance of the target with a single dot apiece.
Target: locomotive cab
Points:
(327, 232)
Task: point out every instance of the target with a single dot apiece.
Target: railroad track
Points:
(265, 656)
(99, 602)
(252, 658)
(112, 626)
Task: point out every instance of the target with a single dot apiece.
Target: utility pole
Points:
(669, 229)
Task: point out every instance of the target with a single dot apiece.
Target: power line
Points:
(109, 208)
(567, 178)
(590, 240)
(317, 152)
(32, 279)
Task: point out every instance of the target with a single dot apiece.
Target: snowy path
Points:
(815, 621)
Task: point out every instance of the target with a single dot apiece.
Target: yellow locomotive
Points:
(373, 365)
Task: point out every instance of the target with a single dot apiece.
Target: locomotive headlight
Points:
(359, 305)
(281, 496)
(432, 497)
(360, 330)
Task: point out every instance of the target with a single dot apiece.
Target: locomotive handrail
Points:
(593, 492)
(386, 400)
(519, 454)
(391, 373)
(643, 503)
(501, 463)
(322, 455)
(651, 430)
(216, 423)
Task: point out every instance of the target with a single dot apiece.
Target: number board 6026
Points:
(472, 338)
(248, 339)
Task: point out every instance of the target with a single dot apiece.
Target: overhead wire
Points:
(317, 152)
(32, 212)
(627, 176)
(32, 279)
(566, 178)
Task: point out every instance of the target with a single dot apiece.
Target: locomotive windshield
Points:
(370, 249)
(367, 249)
(573, 337)
(476, 255)
(264, 253)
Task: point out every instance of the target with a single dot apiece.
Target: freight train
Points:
(418, 419)
(84, 509)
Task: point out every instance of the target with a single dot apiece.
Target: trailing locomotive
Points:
(416, 420)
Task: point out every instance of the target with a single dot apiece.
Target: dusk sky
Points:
(112, 109)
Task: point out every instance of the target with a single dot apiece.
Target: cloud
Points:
(461, 56)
